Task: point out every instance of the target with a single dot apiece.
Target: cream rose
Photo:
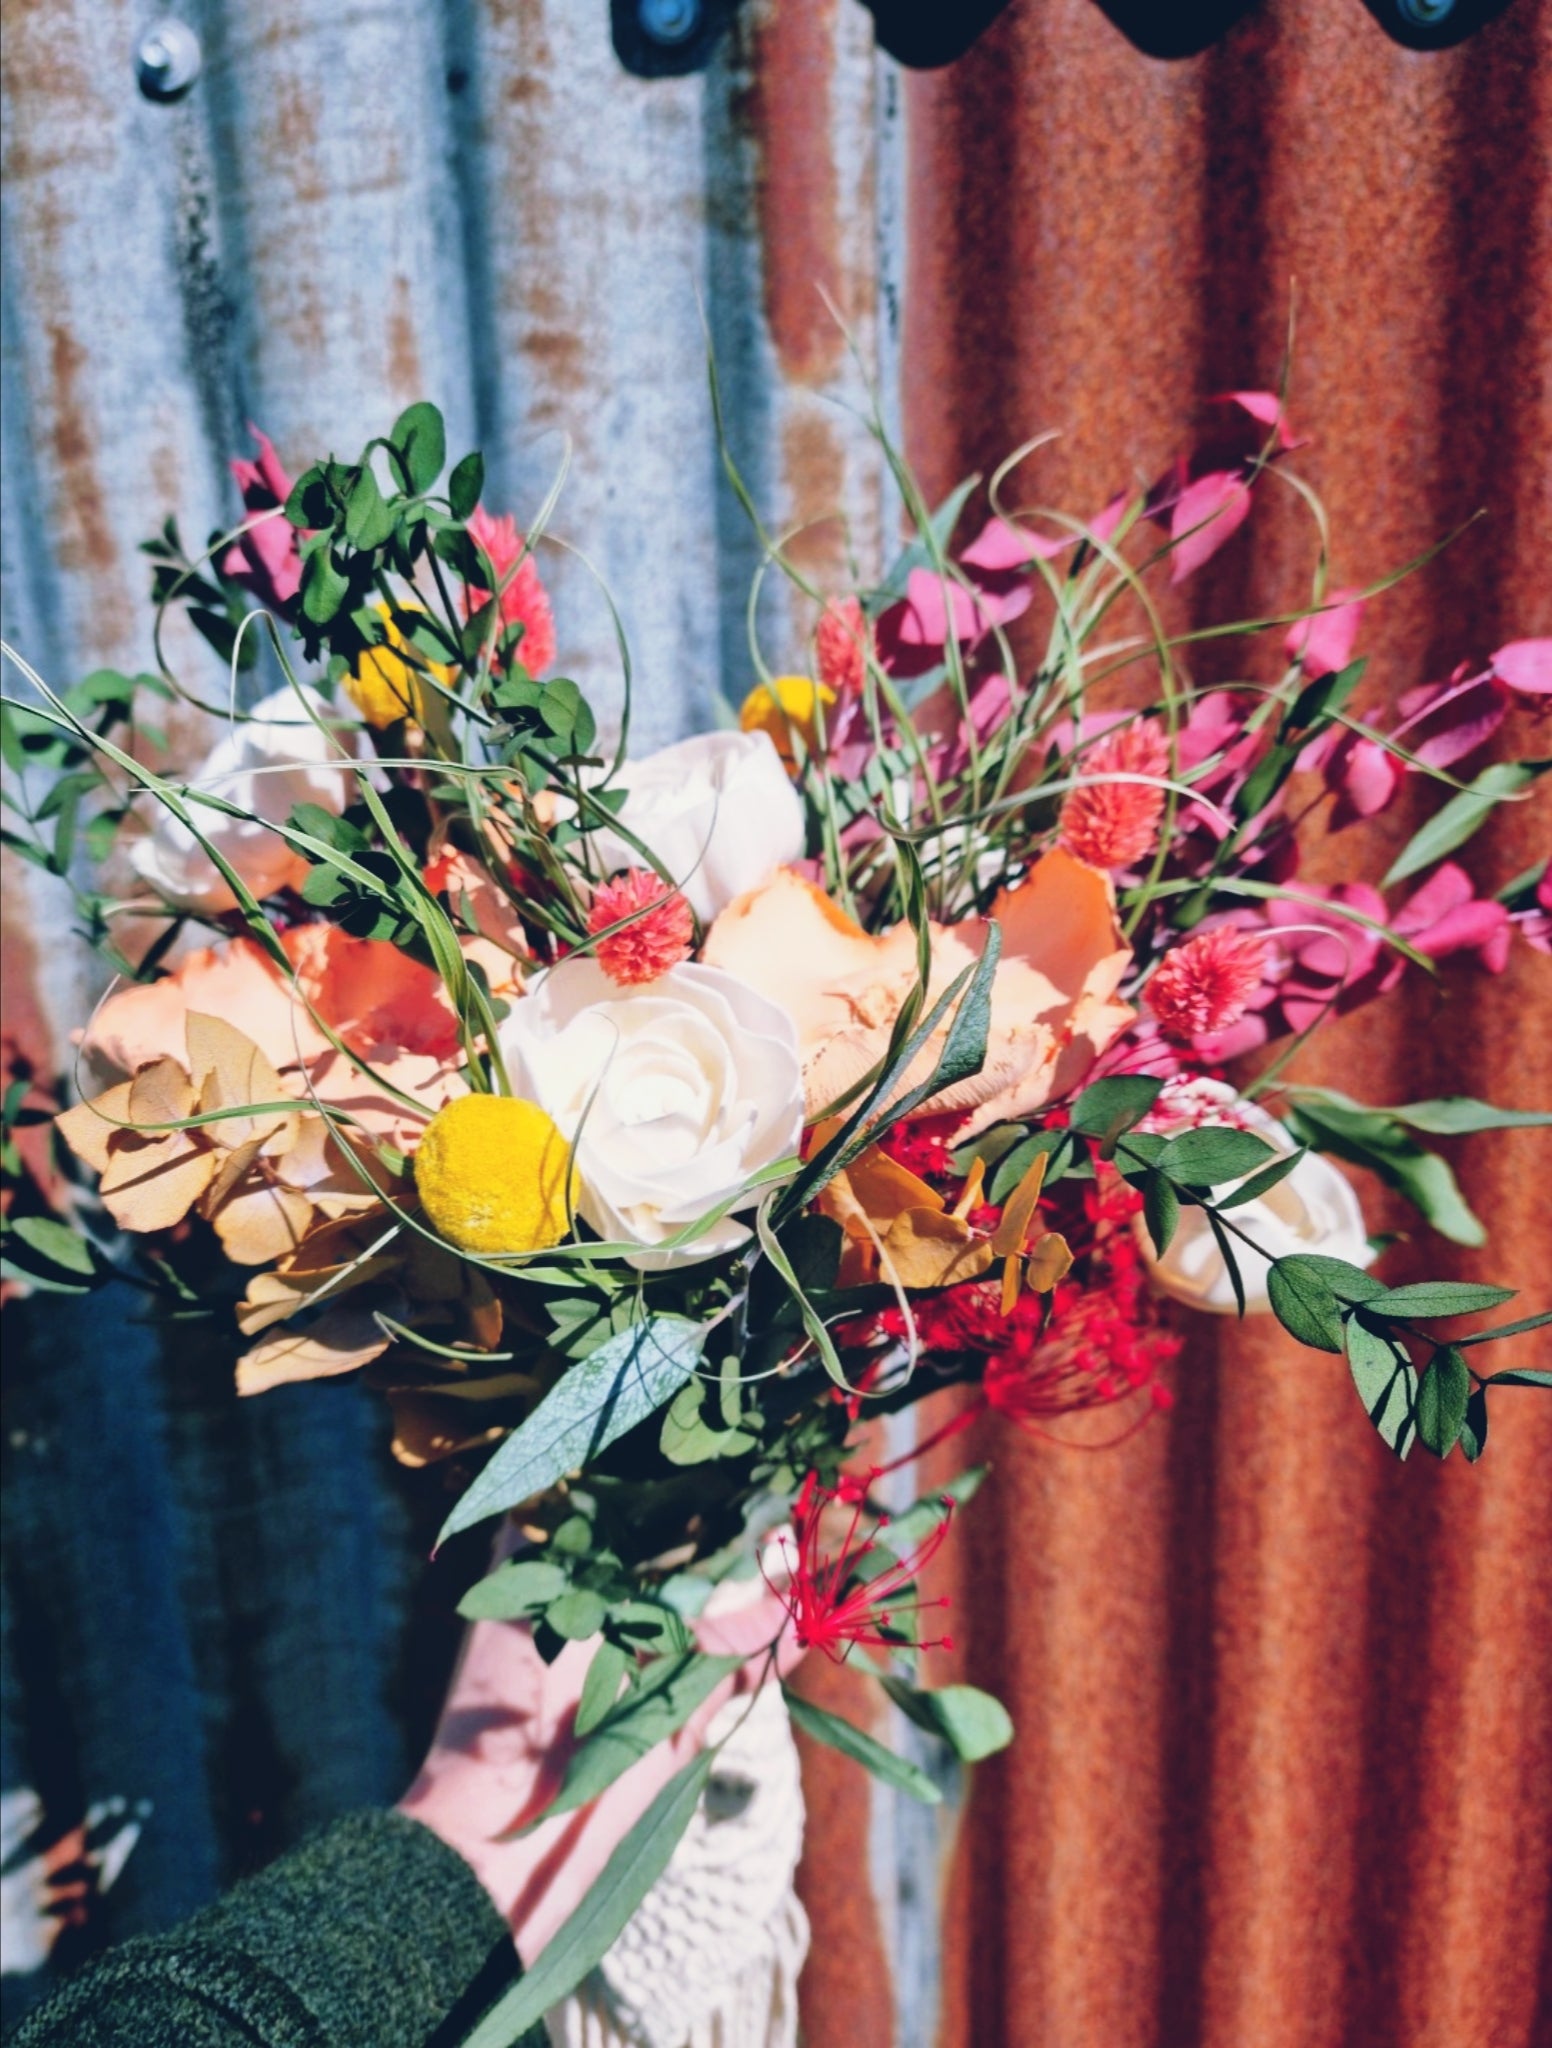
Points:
(718, 811)
(674, 1094)
(275, 759)
(1313, 1210)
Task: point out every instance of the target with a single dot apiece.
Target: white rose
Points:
(674, 1093)
(299, 764)
(718, 811)
(1314, 1209)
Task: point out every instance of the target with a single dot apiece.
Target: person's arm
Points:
(374, 1934)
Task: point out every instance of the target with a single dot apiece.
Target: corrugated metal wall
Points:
(1285, 1764)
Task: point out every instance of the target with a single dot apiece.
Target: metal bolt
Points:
(1425, 13)
(168, 59)
(670, 21)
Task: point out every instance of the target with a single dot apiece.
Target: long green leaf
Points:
(862, 1749)
(597, 1924)
(1462, 816)
(659, 1707)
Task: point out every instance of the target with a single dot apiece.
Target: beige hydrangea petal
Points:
(161, 1094)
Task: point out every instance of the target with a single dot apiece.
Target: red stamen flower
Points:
(661, 932)
(524, 599)
(833, 1607)
(1206, 984)
(843, 640)
(1113, 824)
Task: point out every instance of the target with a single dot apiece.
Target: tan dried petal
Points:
(1049, 1262)
(89, 1127)
(927, 1248)
(1018, 1211)
(340, 1341)
(229, 1070)
(160, 1094)
(152, 1183)
(262, 1223)
(425, 1430)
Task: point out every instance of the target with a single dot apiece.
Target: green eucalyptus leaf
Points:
(1160, 1209)
(601, 1686)
(420, 441)
(465, 485)
(862, 1749)
(1442, 1397)
(1521, 1376)
(971, 1722)
(1473, 1428)
(1109, 1107)
(520, 1587)
(577, 1614)
(1461, 1115)
(625, 1380)
(1304, 1304)
(1263, 1182)
(1386, 1383)
(1211, 1154)
(1424, 1300)
(657, 1707)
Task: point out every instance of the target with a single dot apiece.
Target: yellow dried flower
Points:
(384, 686)
(491, 1174)
(786, 705)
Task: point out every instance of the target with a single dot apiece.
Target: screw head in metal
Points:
(670, 21)
(167, 60)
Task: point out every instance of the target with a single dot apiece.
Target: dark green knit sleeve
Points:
(373, 1935)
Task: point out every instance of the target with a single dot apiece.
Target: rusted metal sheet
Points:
(1230, 1664)
(1284, 1768)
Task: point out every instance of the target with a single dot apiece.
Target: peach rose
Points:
(1054, 1008)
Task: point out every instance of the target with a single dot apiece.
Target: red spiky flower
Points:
(833, 1602)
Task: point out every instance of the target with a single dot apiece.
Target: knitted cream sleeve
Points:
(711, 1957)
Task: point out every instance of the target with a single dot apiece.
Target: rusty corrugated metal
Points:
(1285, 1762)
(1284, 1768)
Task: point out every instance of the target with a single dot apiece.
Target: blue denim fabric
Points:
(207, 1604)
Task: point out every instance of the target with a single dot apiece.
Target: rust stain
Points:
(799, 203)
(813, 464)
(87, 539)
(1096, 242)
(403, 352)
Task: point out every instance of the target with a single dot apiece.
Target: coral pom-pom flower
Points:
(524, 600)
(833, 1603)
(1205, 985)
(1113, 824)
(843, 640)
(660, 934)
(491, 1173)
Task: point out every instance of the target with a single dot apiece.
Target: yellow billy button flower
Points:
(786, 705)
(491, 1174)
(384, 685)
